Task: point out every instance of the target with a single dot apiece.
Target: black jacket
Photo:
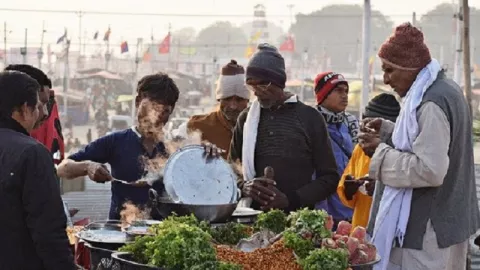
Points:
(33, 222)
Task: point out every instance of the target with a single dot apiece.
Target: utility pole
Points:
(170, 45)
(153, 53)
(137, 61)
(80, 15)
(66, 79)
(290, 8)
(414, 19)
(107, 53)
(23, 51)
(467, 72)
(40, 50)
(365, 56)
(458, 45)
(5, 43)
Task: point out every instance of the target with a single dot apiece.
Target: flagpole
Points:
(66, 79)
(40, 51)
(107, 54)
(365, 56)
(153, 55)
(134, 90)
(83, 40)
(24, 51)
(5, 42)
(169, 49)
(80, 15)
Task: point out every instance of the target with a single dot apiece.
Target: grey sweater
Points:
(440, 169)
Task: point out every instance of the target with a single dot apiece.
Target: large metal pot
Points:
(211, 213)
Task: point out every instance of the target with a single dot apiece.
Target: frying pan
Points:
(215, 213)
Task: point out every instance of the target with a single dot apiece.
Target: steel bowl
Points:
(215, 213)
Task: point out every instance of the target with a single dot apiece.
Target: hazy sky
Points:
(131, 27)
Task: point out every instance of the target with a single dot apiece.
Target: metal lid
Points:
(190, 178)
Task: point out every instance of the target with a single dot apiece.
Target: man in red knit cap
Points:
(428, 209)
(331, 91)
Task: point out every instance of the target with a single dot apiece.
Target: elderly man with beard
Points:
(429, 208)
(280, 132)
(217, 126)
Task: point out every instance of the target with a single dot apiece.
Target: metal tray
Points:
(106, 232)
(190, 178)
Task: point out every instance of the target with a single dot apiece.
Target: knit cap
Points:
(268, 65)
(232, 82)
(405, 48)
(383, 106)
(325, 83)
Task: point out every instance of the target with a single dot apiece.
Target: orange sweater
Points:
(357, 167)
(214, 128)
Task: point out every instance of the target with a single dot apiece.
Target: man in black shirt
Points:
(280, 132)
(34, 220)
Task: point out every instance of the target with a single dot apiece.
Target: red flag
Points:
(164, 47)
(124, 47)
(288, 45)
(147, 56)
(106, 37)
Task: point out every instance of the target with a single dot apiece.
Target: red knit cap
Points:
(324, 84)
(406, 48)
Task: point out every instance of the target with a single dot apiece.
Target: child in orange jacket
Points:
(355, 188)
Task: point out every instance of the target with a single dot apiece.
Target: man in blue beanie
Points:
(281, 142)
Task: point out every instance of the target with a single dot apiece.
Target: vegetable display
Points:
(230, 233)
(303, 240)
(177, 246)
(326, 259)
(274, 220)
(310, 236)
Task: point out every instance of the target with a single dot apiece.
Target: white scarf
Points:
(250, 129)
(394, 210)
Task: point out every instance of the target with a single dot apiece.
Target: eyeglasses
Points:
(258, 87)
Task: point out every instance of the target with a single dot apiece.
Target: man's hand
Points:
(351, 186)
(280, 201)
(98, 172)
(212, 151)
(368, 142)
(370, 186)
(371, 125)
(261, 189)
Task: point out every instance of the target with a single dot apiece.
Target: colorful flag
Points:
(249, 51)
(251, 47)
(288, 45)
(147, 56)
(187, 50)
(164, 47)
(371, 62)
(62, 38)
(106, 37)
(124, 47)
(95, 36)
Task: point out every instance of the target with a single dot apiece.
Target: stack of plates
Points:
(191, 178)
